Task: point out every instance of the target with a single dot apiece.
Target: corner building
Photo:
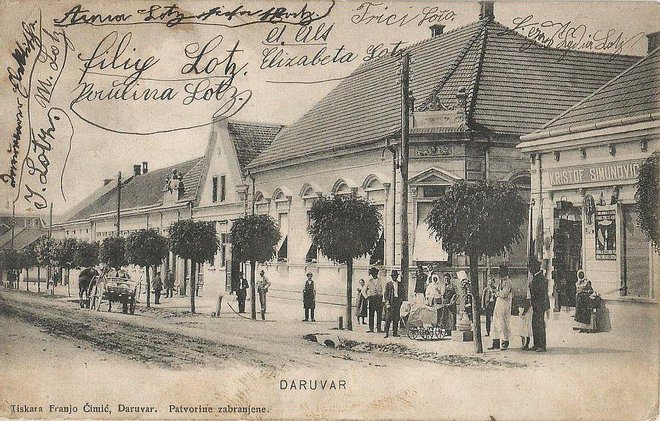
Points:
(476, 90)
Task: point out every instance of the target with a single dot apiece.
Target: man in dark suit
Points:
(538, 290)
(241, 292)
(392, 304)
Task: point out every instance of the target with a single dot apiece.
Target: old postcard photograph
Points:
(329, 209)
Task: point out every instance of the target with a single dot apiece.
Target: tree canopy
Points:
(112, 252)
(648, 198)
(146, 248)
(43, 247)
(478, 218)
(254, 238)
(64, 252)
(10, 259)
(345, 227)
(87, 254)
(194, 240)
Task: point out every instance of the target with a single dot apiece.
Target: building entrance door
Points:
(567, 255)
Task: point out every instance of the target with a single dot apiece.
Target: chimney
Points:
(436, 30)
(136, 169)
(487, 10)
(107, 181)
(653, 40)
(145, 167)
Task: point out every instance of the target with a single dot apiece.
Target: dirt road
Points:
(168, 364)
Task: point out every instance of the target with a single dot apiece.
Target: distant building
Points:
(208, 187)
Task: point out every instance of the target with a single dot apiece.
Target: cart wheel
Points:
(412, 332)
(131, 306)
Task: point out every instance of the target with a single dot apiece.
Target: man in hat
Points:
(309, 297)
(241, 292)
(375, 300)
(262, 289)
(392, 304)
(538, 291)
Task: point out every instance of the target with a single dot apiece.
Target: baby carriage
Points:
(423, 323)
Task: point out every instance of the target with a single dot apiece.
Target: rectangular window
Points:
(215, 189)
(223, 250)
(312, 255)
(282, 246)
(223, 190)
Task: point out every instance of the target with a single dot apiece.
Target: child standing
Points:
(525, 314)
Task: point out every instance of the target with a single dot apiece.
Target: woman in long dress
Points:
(583, 305)
(362, 302)
(502, 312)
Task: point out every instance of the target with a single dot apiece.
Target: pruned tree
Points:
(43, 249)
(194, 240)
(648, 198)
(10, 262)
(147, 249)
(253, 239)
(64, 253)
(478, 219)
(345, 228)
(27, 261)
(113, 252)
(87, 254)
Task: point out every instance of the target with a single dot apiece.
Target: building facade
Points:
(585, 164)
(475, 92)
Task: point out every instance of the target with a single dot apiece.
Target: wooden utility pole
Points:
(405, 155)
(119, 204)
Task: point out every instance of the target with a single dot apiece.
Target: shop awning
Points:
(427, 249)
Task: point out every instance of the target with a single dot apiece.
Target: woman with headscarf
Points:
(582, 301)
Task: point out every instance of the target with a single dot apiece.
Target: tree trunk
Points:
(253, 289)
(38, 278)
(146, 269)
(476, 302)
(68, 284)
(349, 294)
(193, 275)
(27, 278)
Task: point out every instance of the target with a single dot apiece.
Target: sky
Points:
(95, 138)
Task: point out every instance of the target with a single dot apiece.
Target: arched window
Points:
(341, 188)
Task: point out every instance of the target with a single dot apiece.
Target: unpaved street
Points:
(161, 360)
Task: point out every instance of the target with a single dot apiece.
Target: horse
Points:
(85, 285)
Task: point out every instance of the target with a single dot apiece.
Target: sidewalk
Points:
(285, 316)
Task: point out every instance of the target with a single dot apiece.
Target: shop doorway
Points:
(567, 252)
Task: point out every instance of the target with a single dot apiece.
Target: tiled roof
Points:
(145, 190)
(23, 237)
(630, 94)
(250, 139)
(511, 89)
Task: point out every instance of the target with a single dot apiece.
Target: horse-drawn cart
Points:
(114, 289)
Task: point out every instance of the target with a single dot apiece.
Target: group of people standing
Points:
(496, 301)
(158, 286)
(374, 299)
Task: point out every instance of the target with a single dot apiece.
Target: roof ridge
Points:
(600, 89)
(254, 123)
(476, 76)
(567, 50)
(458, 60)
